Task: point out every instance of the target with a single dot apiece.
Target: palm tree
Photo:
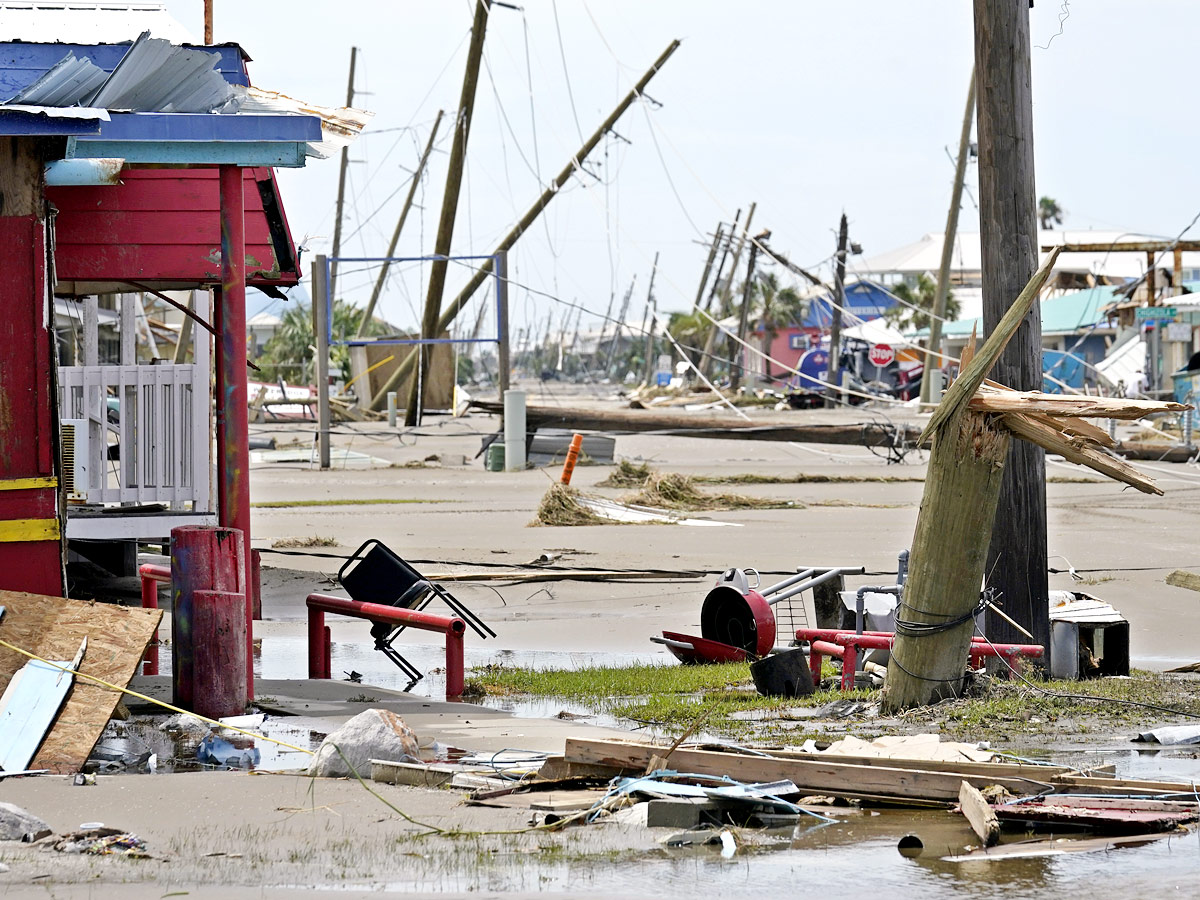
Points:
(288, 355)
(921, 296)
(775, 306)
(1049, 212)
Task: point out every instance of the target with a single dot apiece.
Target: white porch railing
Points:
(161, 429)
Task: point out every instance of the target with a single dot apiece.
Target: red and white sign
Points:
(881, 355)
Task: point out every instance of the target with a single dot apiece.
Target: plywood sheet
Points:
(52, 627)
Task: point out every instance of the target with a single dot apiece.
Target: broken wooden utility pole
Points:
(341, 195)
(612, 344)
(737, 367)
(931, 380)
(971, 431)
(726, 292)
(833, 368)
(712, 255)
(430, 328)
(718, 289)
(1008, 227)
(484, 271)
(408, 201)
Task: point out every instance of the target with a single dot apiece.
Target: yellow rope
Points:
(113, 687)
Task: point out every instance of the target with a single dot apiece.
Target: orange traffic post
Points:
(572, 458)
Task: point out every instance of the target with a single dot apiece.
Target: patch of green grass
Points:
(368, 501)
(605, 682)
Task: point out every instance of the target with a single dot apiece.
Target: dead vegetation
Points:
(627, 475)
(679, 492)
(304, 543)
(560, 506)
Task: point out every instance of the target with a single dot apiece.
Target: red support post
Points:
(151, 575)
(316, 642)
(327, 653)
(219, 653)
(319, 664)
(255, 585)
(233, 401)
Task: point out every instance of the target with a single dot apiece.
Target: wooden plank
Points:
(1182, 579)
(1002, 769)
(1071, 405)
(1083, 784)
(1044, 432)
(1054, 847)
(52, 627)
(817, 776)
(979, 813)
(1110, 820)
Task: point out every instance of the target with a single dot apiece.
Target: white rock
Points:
(16, 822)
(374, 734)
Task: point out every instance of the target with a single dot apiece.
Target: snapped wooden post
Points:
(970, 431)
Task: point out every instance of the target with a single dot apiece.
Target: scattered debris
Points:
(217, 751)
(1171, 735)
(1053, 847)
(100, 842)
(30, 704)
(627, 475)
(373, 734)
(303, 543)
(561, 506)
(1114, 817)
(974, 806)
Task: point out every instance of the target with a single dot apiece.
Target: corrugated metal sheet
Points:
(78, 21)
(67, 83)
(156, 76)
(339, 126)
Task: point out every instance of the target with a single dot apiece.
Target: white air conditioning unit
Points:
(75, 458)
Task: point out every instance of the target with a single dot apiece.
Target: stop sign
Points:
(881, 354)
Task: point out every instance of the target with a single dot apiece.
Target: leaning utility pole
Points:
(576, 163)
(710, 340)
(737, 369)
(408, 201)
(612, 344)
(712, 254)
(1016, 564)
(445, 233)
(652, 308)
(341, 197)
(933, 362)
(833, 370)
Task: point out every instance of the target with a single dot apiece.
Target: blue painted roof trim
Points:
(248, 127)
(18, 123)
(23, 63)
(275, 154)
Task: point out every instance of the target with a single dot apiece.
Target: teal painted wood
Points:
(277, 154)
(30, 705)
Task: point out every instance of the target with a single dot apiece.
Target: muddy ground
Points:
(224, 834)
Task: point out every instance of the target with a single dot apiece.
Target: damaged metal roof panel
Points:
(80, 21)
(340, 126)
(67, 83)
(157, 76)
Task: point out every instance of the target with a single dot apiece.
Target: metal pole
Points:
(231, 349)
(503, 358)
(320, 305)
(933, 362)
(833, 373)
(391, 398)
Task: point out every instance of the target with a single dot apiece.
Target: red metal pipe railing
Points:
(823, 639)
(319, 636)
(151, 575)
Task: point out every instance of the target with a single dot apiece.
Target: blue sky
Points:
(807, 108)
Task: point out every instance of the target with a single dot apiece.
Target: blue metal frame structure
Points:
(359, 342)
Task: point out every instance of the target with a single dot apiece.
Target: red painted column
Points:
(202, 559)
(233, 401)
(218, 653)
(316, 643)
(31, 548)
(150, 601)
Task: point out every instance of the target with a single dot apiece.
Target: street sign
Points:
(1156, 312)
(881, 355)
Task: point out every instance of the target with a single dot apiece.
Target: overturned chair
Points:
(375, 573)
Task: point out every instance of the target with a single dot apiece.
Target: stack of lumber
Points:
(895, 781)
